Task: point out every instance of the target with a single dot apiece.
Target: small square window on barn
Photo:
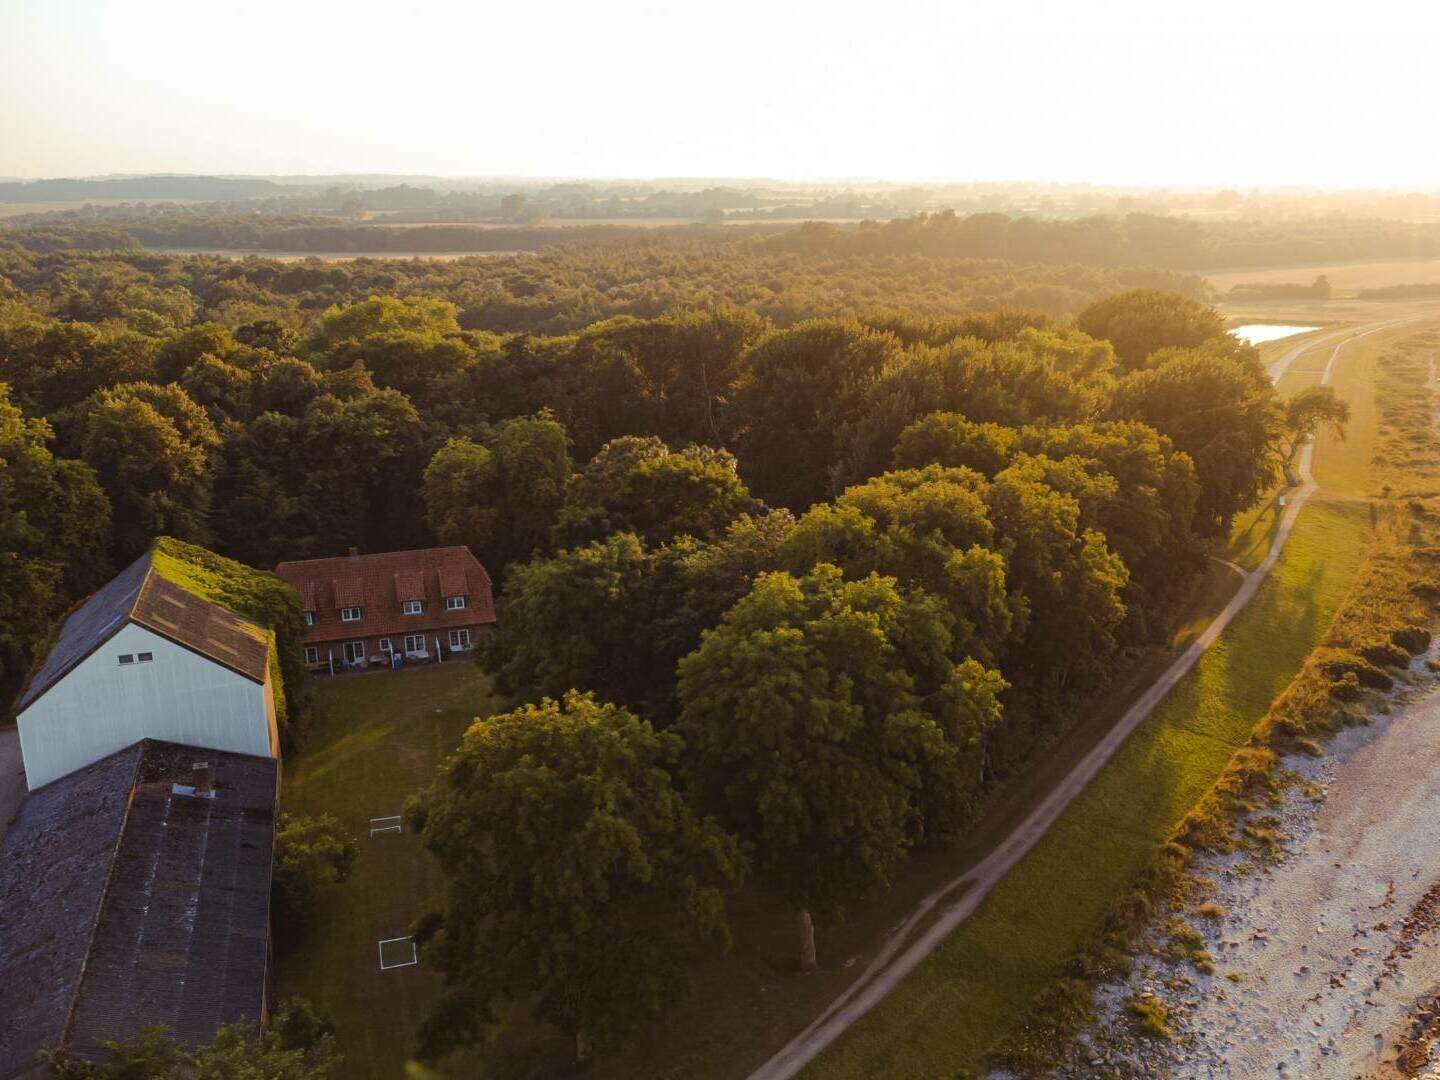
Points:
(127, 658)
(145, 657)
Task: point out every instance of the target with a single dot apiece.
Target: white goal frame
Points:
(390, 824)
(414, 955)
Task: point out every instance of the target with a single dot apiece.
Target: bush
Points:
(310, 853)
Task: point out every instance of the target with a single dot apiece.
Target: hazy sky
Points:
(1109, 91)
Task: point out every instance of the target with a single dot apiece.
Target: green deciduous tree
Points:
(931, 529)
(298, 1044)
(54, 537)
(637, 485)
(310, 853)
(1217, 405)
(579, 879)
(1141, 322)
(1305, 414)
(802, 388)
(499, 495)
(154, 450)
(813, 714)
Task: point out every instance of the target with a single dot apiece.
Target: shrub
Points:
(1150, 1016)
(310, 853)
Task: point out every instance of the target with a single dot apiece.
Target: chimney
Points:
(202, 782)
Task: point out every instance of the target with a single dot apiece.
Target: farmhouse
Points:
(135, 891)
(144, 657)
(385, 609)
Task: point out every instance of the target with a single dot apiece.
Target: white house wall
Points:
(102, 706)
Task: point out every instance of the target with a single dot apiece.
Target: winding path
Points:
(937, 916)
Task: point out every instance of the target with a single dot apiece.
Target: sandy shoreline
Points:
(1326, 947)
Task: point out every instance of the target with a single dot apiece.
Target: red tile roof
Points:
(378, 584)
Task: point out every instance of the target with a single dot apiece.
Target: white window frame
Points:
(412, 607)
(144, 657)
(312, 654)
(352, 614)
(357, 647)
(309, 618)
(385, 646)
(126, 659)
(455, 603)
(460, 639)
(414, 637)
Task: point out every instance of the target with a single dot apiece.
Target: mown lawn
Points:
(376, 738)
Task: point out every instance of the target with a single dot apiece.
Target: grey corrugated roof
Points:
(141, 595)
(124, 904)
(53, 867)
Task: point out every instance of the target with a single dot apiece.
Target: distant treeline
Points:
(1249, 291)
(557, 291)
(300, 235)
(138, 187)
(1418, 290)
(1105, 240)
(1109, 240)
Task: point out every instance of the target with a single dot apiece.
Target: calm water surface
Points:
(1256, 333)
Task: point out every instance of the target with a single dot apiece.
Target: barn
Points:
(144, 657)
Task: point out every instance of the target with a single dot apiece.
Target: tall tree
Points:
(1141, 322)
(578, 878)
(499, 495)
(1217, 405)
(154, 450)
(1306, 413)
(802, 387)
(637, 484)
(54, 538)
(805, 713)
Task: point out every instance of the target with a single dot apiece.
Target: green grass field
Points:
(982, 979)
(375, 739)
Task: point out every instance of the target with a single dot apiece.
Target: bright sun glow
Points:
(1122, 92)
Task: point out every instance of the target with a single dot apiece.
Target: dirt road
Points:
(937, 916)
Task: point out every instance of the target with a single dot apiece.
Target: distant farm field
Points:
(1344, 277)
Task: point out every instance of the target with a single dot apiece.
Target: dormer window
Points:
(412, 607)
(454, 603)
(351, 614)
(309, 618)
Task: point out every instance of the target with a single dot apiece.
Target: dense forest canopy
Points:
(721, 486)
(558, 291)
